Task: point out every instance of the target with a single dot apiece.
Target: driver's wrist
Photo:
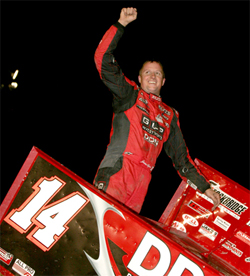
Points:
(123, 23)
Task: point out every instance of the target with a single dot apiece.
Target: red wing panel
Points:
(224, 232)
(55, 223)
(235, 252)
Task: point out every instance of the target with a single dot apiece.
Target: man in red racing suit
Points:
(141, 126)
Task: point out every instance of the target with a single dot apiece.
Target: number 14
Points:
(50, 220)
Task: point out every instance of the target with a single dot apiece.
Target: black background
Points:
(62, 107)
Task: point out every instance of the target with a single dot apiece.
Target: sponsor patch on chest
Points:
(152, 127)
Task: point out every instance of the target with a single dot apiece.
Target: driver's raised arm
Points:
(108, 68)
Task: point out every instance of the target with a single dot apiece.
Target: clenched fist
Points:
(127, 15)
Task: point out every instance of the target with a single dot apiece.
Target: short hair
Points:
(153, 60)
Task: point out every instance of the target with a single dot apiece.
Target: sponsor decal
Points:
(150, 241)
(190, 220)
(199, 209)
(229, 202)
(143, 100)
(50, 220)
(243, 237)
(232, 247)
(150, 131)
(166, 124)
(142, 108)
(167, 112)
(191, 184)
(223, 209)
(145, 120)
(150, 139)
(147, 165)
(5, 256)
(155, 98)
(248, 223)
(179, 226)
(164, 110)
(223, 224)
(165, 117)
(152, 127)
(208, 232)
(22, 269)
(128, 153)
(159, 118)
(155, 126)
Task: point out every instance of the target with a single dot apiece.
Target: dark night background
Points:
(62, 107)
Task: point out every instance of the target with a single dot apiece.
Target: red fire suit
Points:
(141, 126)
